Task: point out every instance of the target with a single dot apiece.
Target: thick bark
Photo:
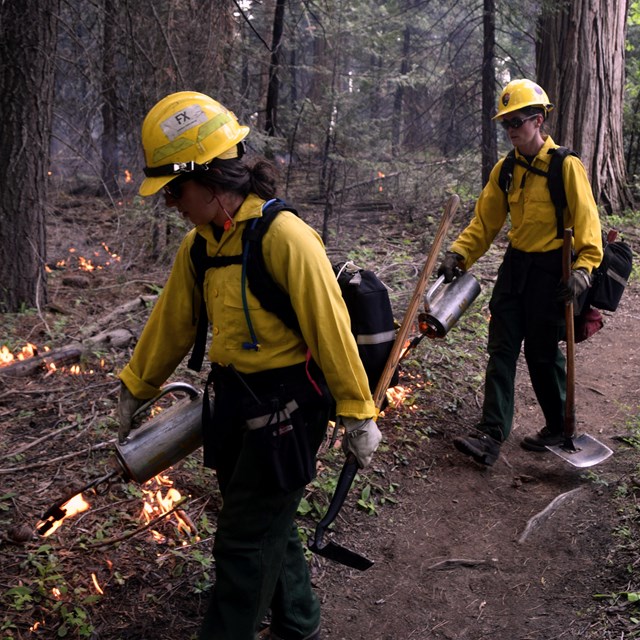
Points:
(580, 63)
(27, 50)
(489, 144)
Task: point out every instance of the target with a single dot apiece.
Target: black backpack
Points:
(609, 279)
(366, 297)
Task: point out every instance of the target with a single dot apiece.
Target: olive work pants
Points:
(524, 308)
(259, 559)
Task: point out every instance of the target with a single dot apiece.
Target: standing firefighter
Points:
(273, 385)
(527, 303)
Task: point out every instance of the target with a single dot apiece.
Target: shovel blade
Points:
(335, 552)
(585, 451)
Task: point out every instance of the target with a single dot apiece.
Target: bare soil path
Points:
(448, 538)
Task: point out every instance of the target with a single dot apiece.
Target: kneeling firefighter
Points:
(274, 386)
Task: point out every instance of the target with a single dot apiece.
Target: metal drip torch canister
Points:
(151, 449)
(444, 304)
(164, 440)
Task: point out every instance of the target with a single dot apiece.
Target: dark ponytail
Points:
(259, 177)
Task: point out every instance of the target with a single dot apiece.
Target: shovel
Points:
(332, 550)
(584, 450)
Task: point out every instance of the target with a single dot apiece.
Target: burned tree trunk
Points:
(580, 62)
(27, 50)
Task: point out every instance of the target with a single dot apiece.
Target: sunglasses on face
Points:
(515, 123)
(174, 188)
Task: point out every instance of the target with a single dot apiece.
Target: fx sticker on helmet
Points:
(505, 99)
(183, 120)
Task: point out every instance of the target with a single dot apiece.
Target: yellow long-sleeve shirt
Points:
(296, 259)
(532, 213)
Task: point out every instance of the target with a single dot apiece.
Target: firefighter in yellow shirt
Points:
(527, 300)
(274, 386)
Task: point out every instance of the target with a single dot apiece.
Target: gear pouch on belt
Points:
(279, 434)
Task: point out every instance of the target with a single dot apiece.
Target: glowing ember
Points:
(57, 515)
(94, 579)
(380, 176)
(127, 176)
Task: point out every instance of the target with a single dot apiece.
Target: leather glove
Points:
(452, 266)
(579, 281)
(127, 406)
(362, 438)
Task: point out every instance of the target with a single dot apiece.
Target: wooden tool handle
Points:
(396, 351)
(570, 401)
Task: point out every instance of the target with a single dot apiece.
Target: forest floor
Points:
(459, 551)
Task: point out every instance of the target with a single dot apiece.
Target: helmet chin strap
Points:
(228, 223)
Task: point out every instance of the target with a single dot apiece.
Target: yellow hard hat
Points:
(182, 133)
(519, 94)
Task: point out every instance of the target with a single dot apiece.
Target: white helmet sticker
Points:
(183, 120)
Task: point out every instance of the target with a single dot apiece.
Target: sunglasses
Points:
(515, 123)
(173, 189)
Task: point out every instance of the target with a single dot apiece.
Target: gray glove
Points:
(362, 438)
(127, 406)
(579, 281)
(452, 266)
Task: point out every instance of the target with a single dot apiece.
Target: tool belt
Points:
(267, 411)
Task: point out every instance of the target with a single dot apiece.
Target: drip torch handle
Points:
(190, 390)
(431, 291)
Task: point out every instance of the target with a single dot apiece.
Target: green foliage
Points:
(44, 591)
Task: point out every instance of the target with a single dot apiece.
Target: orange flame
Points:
(158, 502)
(380, 176)
(94, 579)
(28, 351)
(127, 176)
(72, 507)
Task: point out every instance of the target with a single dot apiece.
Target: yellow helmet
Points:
(182, 133)
(519, 94)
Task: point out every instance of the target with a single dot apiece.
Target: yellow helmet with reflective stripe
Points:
(519, 94)
(182, 133)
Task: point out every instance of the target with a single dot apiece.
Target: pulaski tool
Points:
(583, 450)
(330, 549)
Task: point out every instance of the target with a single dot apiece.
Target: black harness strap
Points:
(554, 180)
(269, 294)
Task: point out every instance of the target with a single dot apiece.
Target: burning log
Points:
(69, 354)
(50, 360)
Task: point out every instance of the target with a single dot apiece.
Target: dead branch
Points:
(452, 563)
(355, 185)
(540, 518)
(140, 303)
(44, 463)
(33, 443)
(148, 525)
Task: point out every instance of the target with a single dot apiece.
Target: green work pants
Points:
(524, 308)
(259, 559)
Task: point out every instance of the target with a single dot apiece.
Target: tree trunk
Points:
(110, 165)
(27, 50)
(398, 97)
(489, 144)
(274, 69)
(580, 63)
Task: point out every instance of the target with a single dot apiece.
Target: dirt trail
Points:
(450, 562)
